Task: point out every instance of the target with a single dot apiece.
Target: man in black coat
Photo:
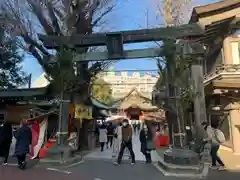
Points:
(5, 140)
(23, 140)
(110, 134)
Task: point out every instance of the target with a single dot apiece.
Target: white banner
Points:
(40, 140)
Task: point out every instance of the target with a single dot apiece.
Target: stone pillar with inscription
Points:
(199, 99)
(200, 109)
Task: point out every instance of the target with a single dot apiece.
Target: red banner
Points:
(35, 136)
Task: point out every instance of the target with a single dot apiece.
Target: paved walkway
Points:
(13, 173)
(108, 153)
(105, 170)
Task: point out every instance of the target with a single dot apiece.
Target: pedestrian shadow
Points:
(32, 163)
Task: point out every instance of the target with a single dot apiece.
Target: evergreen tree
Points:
(11, 73)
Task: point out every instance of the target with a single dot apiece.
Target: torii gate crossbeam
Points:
(132, 36)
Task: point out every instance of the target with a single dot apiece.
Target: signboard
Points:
(115, 45)
(83, 112)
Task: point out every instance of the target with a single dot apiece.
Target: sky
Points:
(128, 15)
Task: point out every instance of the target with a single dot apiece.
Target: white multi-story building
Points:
(123, 83)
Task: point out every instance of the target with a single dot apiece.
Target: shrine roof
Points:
(214, 8)
(134, 99)
(223, 85)
(24, 92)
(217, 20)
(157, 116)
(226, 83)
(133, 90)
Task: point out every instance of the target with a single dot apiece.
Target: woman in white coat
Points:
(102, 136)
(117, 140)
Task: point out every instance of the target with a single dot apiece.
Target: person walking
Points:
(127, 133)
(110, 134)
(215, 137)
(147, 145)
(23, 140)
(102, 136)
(117, 140)
(5, 141)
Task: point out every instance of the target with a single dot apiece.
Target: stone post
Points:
(63, 148)
(199, 100)
(63, 122)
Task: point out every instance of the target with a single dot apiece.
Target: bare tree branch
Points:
(54, 19)
(27, 18)
(96, 21)
(38, 10)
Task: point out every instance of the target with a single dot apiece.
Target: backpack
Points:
(219, 136)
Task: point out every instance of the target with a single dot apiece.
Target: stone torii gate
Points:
(115, 51)
(115, 41)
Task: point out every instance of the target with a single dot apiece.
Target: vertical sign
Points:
(115, 46)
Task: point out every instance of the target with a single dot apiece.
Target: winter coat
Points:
(5, 139)
(145, 138)
(212, 136)
(118, 137)
(24, 138)
(102, 135)
(110, 130)
(127, 133)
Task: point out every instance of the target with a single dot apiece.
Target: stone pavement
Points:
(106, 170)
(101, 170)
(107, 153)
(13, 173)
(98, 169)
(95, 167)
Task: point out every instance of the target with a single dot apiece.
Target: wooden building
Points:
(221, 63)
(13, 104)
(27, 103)
(135, 106)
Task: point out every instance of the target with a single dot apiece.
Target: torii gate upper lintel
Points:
(115, 41)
